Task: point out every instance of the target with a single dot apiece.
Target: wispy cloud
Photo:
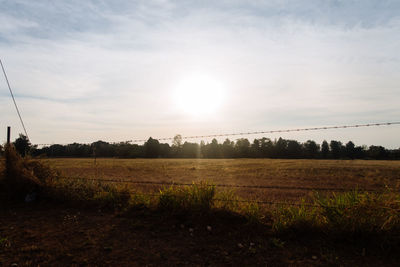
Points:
(107, 69)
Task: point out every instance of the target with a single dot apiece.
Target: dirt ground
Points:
(51, 234)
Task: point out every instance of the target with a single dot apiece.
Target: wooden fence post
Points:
(8, 134)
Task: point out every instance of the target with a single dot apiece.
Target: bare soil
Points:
(52, 234)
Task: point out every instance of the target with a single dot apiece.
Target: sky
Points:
(83, 71)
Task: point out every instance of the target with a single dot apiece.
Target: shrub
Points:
(18, 179)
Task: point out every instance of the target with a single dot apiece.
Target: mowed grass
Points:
(336, 174)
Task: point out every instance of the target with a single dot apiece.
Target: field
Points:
(293, 179)
(355, 229)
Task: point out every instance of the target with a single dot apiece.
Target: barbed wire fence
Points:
(219, 185)
(258, 187)
(244, 133)
(252, 187)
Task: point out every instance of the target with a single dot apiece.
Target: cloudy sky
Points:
(120, 70)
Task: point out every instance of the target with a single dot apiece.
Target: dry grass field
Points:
(296, 174)
(90, 223)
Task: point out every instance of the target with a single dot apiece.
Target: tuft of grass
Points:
(227, 200)
(197, 197)
(253, 212)
(295, 218)
(345, 214)
(360, 213)
(112, 198)
(140, 200)
(88, 192)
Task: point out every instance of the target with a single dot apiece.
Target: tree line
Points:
(241, 148)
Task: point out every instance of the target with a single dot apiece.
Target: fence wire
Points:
(249, 133)
(259, 202)
(221, 185)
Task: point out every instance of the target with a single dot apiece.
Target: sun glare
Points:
(199, 95)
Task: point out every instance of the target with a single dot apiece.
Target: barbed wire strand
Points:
(130, 193)
(260, 202)
(220, 185)
(253, 133)
(13, 98)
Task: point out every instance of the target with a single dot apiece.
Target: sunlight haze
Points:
(83, 71)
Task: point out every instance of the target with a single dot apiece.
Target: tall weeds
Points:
(348, 213)
(18, 178)
(197, 197)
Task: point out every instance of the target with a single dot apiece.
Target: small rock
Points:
(314, 257)
(191, 230)
(240, 245)
(251, 244)
(182, 226)
(30, 197)
(209, 228)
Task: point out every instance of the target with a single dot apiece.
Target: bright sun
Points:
(199, 95)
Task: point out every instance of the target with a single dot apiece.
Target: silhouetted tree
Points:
(176, 146)
(324, 149)
(280, 148)
(350, 150)
(212, 150)
(152, 148)
(102, 149)
(242, 148)
(377, 152)
(311, 149)
(256, 149)
(335, 149)
(293, 149)
(190, 150)
(266, 147)
(263, 147)
(22, 145)
(360, 152)
(165, 150)
(228, 149)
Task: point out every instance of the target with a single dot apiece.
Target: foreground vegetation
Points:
(373, 219)
(310, 174)
(357, 212)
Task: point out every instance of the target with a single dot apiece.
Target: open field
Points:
(90, 223)
(299, 175)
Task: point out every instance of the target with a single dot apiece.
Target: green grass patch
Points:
(348, 214)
